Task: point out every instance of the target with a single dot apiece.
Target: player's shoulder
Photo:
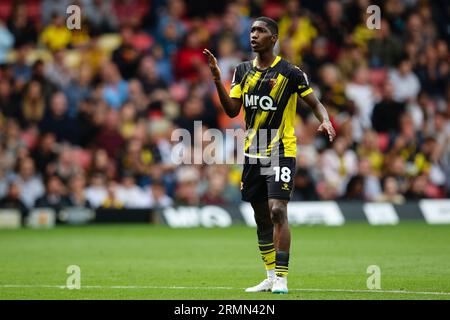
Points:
(291, 68)
(244, 65)
(293, 71)
(240, 70)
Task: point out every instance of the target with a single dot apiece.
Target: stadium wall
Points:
(330, 213)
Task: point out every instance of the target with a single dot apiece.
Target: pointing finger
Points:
(208, 53)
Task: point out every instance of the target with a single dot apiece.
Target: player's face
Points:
(261, 38)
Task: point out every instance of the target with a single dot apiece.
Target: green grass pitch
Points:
(156, 262)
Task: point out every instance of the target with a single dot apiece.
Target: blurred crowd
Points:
(86, 116)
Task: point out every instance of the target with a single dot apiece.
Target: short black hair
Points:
(271, 24)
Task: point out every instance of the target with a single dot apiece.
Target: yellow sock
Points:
(267, 252)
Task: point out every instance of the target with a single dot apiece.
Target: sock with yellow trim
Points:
(282, 263)
(267, 251)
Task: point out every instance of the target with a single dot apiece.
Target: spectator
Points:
(23, 30)
(56, 35)
(45, 153)
(384, 49)
(127, 57)
(30, 184)
(122, 9)
(96, 192)
(6, 41)
(79, 89)
(433, 71)
(57, 121)
(65, 166)
(406, 83)
(131, 195)
(391, 192)
(215, 187)
(101, 163)
(361, 93)
(339, 164)
(115, 89)
(297, 26)
(396, 166)
(33, 105)
(355, 189)
(158, 195)
(54, 196)
(137, 97)
(369, 148)
(111, 201)
(57, 71)
(109, 137)
(12, 200)
(77, 193)
(12, 140)
(149, 75)
(386, 113)
(417, 189)
(101, 17)
(39, 73)
(304, 187)
(187, 183)
(21, 69)
(335, 27)
(317, 58)
(9, 100)
(228, 58)
(170, 32)
(190, 58)
(50, 8)
(372, 187)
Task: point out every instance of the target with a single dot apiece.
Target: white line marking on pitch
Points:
(226, 288)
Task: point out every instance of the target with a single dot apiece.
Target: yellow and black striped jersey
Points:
(269, 99)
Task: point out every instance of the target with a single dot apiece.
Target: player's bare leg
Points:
(266, 245)
(282, 241)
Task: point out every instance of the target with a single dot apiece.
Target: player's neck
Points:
(265, 59)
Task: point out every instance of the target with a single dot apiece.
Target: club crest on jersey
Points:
(273, 82)
(254, 101)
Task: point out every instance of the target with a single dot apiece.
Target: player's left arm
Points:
(321, 113)
(305, 92)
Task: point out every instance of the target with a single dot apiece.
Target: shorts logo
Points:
(242, 185)
(285, 187)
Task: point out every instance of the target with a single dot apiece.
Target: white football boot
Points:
(280, 285)
(264, 286)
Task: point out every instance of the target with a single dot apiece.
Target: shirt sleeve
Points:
(301, 82)
(236, 90)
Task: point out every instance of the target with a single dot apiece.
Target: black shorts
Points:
(261, 181)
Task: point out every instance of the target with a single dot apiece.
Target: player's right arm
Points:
(231, 106)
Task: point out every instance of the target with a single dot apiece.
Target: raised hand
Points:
(213, 66)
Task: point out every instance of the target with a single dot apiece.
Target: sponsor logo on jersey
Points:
(253, 101)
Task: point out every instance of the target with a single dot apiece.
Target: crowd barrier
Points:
(332, 213)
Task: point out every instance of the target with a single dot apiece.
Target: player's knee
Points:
(278, 213)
